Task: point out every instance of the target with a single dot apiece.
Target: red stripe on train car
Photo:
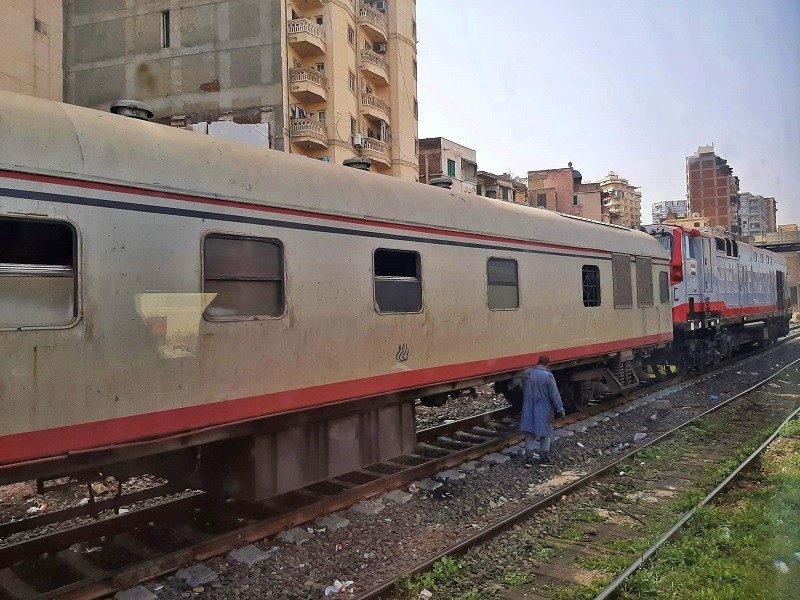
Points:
(680, 313)
(121, 189)
(20, 447)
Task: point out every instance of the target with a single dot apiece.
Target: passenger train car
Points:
(171, 303)
(725, 293)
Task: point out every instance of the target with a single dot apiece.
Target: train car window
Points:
(690, 247)
(735, 248)
(720, 244)
(644, 281)
(246, 276)
(503, 283)
(398, 281)
(728, 247)
(590, 278)
(663, 287)
(38, 273)
(623, 286)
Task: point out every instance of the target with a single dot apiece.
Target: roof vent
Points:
(442, 182)
(133, 109)
(359, 162)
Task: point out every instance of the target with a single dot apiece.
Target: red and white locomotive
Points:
(725, 294)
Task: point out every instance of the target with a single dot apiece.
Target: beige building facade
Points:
(622, 201)
(31, 41)
(440, 157)
(502, 187)
(332, 79)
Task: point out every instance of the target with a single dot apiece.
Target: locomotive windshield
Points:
(665, 239)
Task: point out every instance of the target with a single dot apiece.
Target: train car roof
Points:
(63, 140)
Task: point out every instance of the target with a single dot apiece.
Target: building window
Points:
(352, 82)
(319, 20)
(321, 116)
(398, 281)
(351, 35)
(574, 201)
(479, 190)
(165, 29)
(414, 68)
(623, 287)
(414, 29)
(320, 67)
(39, 27)
(590, 278)
(644, 281)
(541, 200)
(503, 284)
(38, 273)
(451, 168)
(245, 275)
(352, 125)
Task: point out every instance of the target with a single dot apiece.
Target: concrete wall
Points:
(223, 55)
(557, 183)
(433, 156)
(589, 202)
(30, 60)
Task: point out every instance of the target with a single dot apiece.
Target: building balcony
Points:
(306, 37)
(309, 134)
(377, 151)
(374, 21)
(302, 4)
(308, 85)
(376, 65)
(374, 107)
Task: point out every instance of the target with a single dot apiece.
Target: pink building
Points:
(562, 190)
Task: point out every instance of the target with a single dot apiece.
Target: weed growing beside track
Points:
(728, 549)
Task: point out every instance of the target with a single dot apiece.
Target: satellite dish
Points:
(695, 215)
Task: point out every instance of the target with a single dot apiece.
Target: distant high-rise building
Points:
(30, 48)
(623, 201)
(669, 209)
(712, 189)
(756, 214)
(332, 79)
(440, 157)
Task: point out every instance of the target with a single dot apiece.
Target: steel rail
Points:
(506, 523)
(639, 562)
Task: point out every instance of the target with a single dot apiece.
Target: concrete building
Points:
(623, 201)
(712, 188)
(332, 79)
(756, 214)
(563, 190)
(670, 209)
(31, 41)
(503, 187)
(440, 157)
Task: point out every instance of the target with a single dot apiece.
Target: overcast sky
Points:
(630, 86)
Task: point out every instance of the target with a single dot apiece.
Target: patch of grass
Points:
(727, 550)
(587, 592)
(791, 429)
(515, 578)
(546, 554)
(589, 516)
(474, 596)
(573, 534)
(446, 572)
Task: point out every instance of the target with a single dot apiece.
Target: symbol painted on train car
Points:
(402, 353)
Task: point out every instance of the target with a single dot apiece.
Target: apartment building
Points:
(31, 39)
(502, 187)
(756, 214)
(562, 190)
(670, 209)
(622, 201)
(331, 79)
(712, 189)
(440, 157)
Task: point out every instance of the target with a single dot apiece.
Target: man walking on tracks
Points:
(540, 396)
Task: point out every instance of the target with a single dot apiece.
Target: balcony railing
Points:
(374, 58)
(306, 26)
(367, 14)
(377, 146)
(374, 102)
(301, 127)
(309, 74)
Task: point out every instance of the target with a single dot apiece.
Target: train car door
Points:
(743, 286)
(707, 265)
(779, 285)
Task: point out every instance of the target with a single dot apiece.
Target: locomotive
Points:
(725, 294)
(184, 305)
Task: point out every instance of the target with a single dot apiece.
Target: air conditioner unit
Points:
(358, 140)
(380, 48)
(379, 5)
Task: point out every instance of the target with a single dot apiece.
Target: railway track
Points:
(150, 541)
(605, 478)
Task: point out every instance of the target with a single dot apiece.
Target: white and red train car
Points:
(171, 301)
(725, 293)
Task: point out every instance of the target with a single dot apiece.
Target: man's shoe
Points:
(529, 458)
(544, 459)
